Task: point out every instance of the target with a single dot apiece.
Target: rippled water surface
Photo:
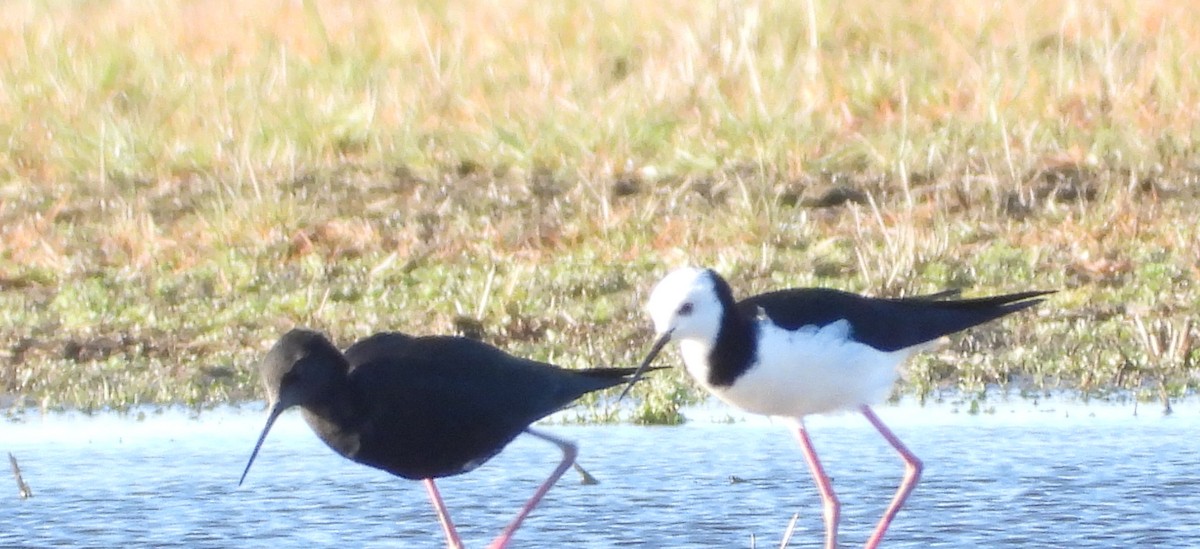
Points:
(1026, 476)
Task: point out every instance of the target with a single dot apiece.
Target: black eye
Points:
(685, 309)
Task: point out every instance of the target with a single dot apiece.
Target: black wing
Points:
(383, 346)
(452, 403)
(885, 324)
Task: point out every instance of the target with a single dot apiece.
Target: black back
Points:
(883, 323)
(439, 405)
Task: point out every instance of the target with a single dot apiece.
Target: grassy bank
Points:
(182, 182)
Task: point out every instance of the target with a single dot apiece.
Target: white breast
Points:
(804, 371)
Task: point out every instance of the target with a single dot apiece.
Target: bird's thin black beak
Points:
(637, 374)
(275, 411)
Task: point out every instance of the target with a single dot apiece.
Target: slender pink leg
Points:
(569, 452)
(828, 497)
(452, 540)
(912, 474)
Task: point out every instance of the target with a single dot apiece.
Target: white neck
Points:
(695, 353)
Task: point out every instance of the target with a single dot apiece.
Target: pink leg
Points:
(912, 474)
(569, 452)
(452, 540)
(828, 497)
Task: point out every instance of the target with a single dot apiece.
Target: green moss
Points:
(167, 210)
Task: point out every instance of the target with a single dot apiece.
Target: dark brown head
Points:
(302, 369)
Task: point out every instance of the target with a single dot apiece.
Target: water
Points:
(1026, 476)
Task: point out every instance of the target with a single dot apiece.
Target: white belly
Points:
(805, 371)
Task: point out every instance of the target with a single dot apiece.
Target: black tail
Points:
(929, 320)
(619, 374)
(937, 296)
(979, 302)
(587, 380)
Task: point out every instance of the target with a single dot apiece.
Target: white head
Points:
(686, 305)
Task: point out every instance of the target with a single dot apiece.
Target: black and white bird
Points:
(423, 407)
(802, 351)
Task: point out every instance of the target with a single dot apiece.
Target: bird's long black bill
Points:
(657, 348)
(278, 409)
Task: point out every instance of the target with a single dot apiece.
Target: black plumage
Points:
(887, 324)
(419, 407)
(423, 407)
(804, 351)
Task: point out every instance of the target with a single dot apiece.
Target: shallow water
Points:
(1026, 476)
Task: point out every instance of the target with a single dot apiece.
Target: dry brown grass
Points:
(370, 165)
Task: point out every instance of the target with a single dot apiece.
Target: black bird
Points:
(801, 351)
(423, 407)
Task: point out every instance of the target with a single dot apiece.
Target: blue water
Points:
(1025, 476)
